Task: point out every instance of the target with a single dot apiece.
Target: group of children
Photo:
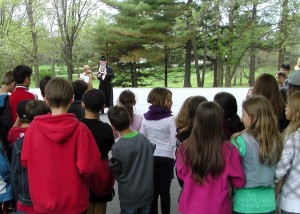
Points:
(61, 164)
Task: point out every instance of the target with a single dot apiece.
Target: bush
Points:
(42, 74)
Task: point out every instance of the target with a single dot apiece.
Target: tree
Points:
(140, 31)
(35, 59)
(71, 16)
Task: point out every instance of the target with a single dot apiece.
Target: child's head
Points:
(267, 86)
(79, 87)
(36, 107)
(186, 115)
(86, 68)
(232, 122)
(58, 93)
(249, 93)
(257, 112)
(119, 117)
(292, 112)
(285, 68)
(208, 120)
(43, 83)
(294, 82)
(260, 121)
(93, 100)
(21, 111)
(127, 99)
(161, 97)
(228, 102)
(22, 75)
(204, 147)
(8, 81)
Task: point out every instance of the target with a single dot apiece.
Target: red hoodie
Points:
(61, 155)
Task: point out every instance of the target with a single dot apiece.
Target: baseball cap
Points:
(294, 78)
(21, 109)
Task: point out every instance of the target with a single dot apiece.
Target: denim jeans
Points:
(141, 210)
(162, 178)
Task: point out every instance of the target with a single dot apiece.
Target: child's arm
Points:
(143, 129)
(278, 186)
(173, 132)
(237, 172)
(286, 160)
(180, 165)
(4, 166)
(15, 165)
(115, 163)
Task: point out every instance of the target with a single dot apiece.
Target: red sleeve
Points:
(103, 182)
(90, 165)
(87, 155)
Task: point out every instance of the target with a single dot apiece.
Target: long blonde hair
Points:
(264, 128)
(293, 103)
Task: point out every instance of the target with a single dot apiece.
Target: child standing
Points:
(260, 146)
(8, 86)
(22, 75)
(185, 121)
(186, 118)
(60, 154)
(6, 193)
(127, 99)
(21, 124)
(231, 121)
(288, 168)
(207, 165)
(159, 126)
(79, 88)
(93, 103)
(19, 175)
(132, 164)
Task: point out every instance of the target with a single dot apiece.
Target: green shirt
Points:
(252, 200)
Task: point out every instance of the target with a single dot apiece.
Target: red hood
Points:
(58, 129)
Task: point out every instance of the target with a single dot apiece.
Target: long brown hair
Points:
(264, 128)
(293, 103)
(186, 115)
(267, 86)
(202, 152)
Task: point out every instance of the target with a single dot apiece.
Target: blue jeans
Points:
(141, 210)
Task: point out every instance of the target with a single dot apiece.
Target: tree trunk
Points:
(188, 60)
(53, 68)
(35, 58)
(252, 48)
(194, 44)
(220, 70)
(227, 75)
(68, 60)
(166, 66)
(283, 32)
(134, 75)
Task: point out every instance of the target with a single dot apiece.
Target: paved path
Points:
(179, 95)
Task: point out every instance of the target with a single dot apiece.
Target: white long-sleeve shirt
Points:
(163, 134)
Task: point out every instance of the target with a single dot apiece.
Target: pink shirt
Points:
(212, 196)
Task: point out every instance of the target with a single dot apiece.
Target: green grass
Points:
(175, 77)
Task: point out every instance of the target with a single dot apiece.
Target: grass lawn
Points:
(175, 78)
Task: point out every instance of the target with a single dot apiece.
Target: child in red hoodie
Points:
(61, 155)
